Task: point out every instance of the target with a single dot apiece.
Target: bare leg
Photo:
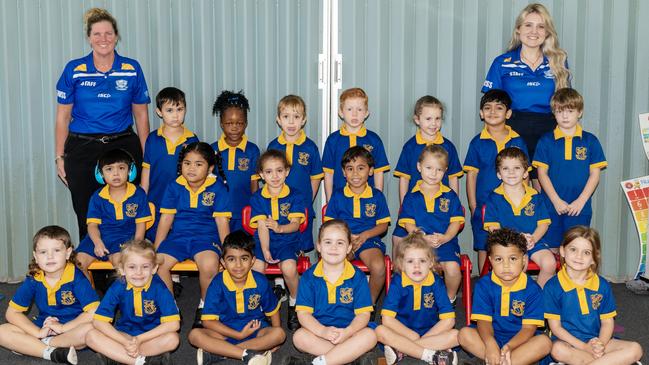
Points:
(471, 342)
(452, 277)
(547, 263)
(532, 351)
(291, 278)
(208, 266)
(482, 257)
(259, 266)
(565, 353)
(620, 352)
(395, 243)
(342, 353)
(164, 270)
(374, 260)
(84, 261)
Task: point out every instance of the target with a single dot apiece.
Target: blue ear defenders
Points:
(132, 171)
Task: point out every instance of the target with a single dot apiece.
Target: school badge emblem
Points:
(121, 85)
(529, 209)
(208, 198)
(346, 295)
(429, 300)
(253, 301)
(370, 210)
(244, 164)
(581, 153)
(149, 307)
(368, 147)
(131, 210)
(303, 158)
(596, 300)
(443, 204)
(518, 308)
(67, 298)
(284, 209)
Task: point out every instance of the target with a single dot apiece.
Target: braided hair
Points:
(202, 148)
(219, 168)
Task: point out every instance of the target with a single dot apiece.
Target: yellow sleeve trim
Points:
(447, 315)
(599, 165)
(144, 219)
(363, 310)
(403, 221)
(536, 322)
(608, 315)
(318, 176)
(382, 169)
(255, 219)
(145, 165)
(304, 308)
(172, 318)
(481, 317)
(102, 318)
(17, 307)
(167, 211)
(326, 219)
(401, 174)
(457, 174)
(328, 170)
(209, 317)
(383, 220)
(468, 168)
(255, 177)
(552, 316)
(544, 221)
(457, 219)
(389, 313)
(491, 224)
(297, 215)
(538, 164)
(93, 220)
(271, 313)
(91, 306)
(222, 214)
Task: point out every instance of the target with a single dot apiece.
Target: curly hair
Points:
(414, 240)
(506, 237)
(229, 99)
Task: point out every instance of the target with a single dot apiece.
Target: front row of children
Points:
(241, 318)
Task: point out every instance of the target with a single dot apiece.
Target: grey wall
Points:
(396, 50)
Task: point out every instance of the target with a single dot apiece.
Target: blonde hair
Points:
(435, 151)
(550, 47)
(414, 240)
(143, 248)
(96, 15)
(354, 92)
(589, 234)
(292, 101)
(429, 101)
(567, 98)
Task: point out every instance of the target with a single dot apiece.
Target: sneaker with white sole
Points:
(64, 355)
(258, 358)
(391, 355)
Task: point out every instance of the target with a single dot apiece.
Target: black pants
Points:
(81, 157)
(531, 126)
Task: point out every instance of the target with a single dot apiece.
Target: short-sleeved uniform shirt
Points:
(339, 141)
(507, 308)
(433, 214)
(418, 306)
(235, 306)
(530, 91)
(287, 205)
(102, 102)
(141, 309)
(407, 164)
(116, 219)
(239, 165)
(580, 308)
(334, 304)
(361, 212)
(481, 157)
(66, 300)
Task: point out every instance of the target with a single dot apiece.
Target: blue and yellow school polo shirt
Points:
(507, 308)
(407, 164)
(66, 300)
(433, 214)
(500, 212)
(339, 141)
(481, 157)
(101, 101)
(195, 211)
(239, 166)
(569, 160)
(235, 306)
(580, 308)
(141, 309)
(334, 304)
(287, 205)
(161, 158)
(117, 219)
(304, 157)
(530, 91)
(418, 306)
(361, 212)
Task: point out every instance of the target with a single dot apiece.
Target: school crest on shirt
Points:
(284, 209)
(529, 209)
(303, 158)
(244, 163)
(581, 153)
(131, 210)
(253, 301)
(208, 198)
(121, 85)
(370, 210)
(429, 300)
(443, 204)
(368, 147)
(518, 308)
(596, 300)
(346, 295)
(67, 298)
(149, 306)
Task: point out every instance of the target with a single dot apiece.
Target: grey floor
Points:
(633, 320)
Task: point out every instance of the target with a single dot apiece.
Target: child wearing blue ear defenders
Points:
(118, 212)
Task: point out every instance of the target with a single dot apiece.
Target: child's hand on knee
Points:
(132, 347)
(331, 334)
(596, 347)
(505, 355)
(249, 329)
(492, 354)
(269, 258)
(100, 250)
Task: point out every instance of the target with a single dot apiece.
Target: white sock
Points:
(201, 304)
(280, 281)
(175, 278)
(47, 352)
(428, 355)
(46, 340)
(140, 360)
(291, 301)
(320, 360)
(245, 352)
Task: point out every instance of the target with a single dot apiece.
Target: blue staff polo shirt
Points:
(502, 213)
(117, 219)
(569, 160)
(407, 164)
(66, 300)
(340, 141)
(507, 308)
(334, 304)
(239, 166)
(282, 208)
(530, 91)
(161, 158)
(195, 211)
(234, 306)
(418, 306)
(141, 309)
(102, 102)
(361, 212)
(580, 308)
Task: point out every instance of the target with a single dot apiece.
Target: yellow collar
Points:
(130, 190)
(367, 193)
(229, 283)
(137, 288)
(428, 281)
(348, 273)
(592, 283)
(209, 180)
(282, 194)
(520, 284)
(361, 132)
(222, 145)
(442, 189)
(439, 139)
(171, 145)
(529, 193)
(484, 134)
(558, 133)
(300, 139)
(66, 277)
